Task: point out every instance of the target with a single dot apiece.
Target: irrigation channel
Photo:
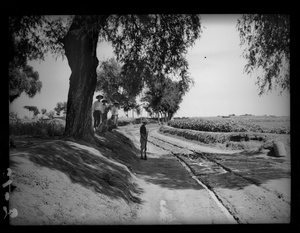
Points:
(249, 187)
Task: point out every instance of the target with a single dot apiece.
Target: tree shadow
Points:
(166, 172)
(86, 166)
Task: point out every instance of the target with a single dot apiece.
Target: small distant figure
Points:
(114, 112)
(96, 109)
(143, 139)
(102, 128)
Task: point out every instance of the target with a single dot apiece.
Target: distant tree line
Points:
(60, 107)
(160, 95)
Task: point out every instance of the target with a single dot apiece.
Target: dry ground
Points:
(57, 182)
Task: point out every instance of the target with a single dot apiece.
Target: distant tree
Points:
(51, 114)
(61, 106)
(33, 109)
(268, 47)
(110, 82)
(164, 98)
(44, 111)
(129, 104)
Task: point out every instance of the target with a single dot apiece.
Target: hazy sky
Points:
(221, 87)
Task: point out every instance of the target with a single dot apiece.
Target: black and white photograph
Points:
(157, 119)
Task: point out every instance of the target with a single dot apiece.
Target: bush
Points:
(39, 128)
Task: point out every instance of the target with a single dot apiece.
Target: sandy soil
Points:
(50, 188)
(171, 196)
(250, 185)
(59, 182)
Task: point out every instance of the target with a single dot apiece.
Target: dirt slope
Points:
(62, 182)
(57, 182)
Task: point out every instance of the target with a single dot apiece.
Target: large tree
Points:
(267, 40)
(161, 41)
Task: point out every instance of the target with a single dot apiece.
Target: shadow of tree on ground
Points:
(166, 172)
(87, 165)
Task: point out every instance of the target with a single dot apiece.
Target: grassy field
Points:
(257, 124)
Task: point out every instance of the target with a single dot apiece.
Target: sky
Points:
(215, 63)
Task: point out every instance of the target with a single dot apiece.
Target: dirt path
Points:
(188, 183)
(171, 195)
(59, 182)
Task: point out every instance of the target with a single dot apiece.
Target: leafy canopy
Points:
(268, 47)
(23, 79)
(165, 96)
(154, 42)
(30, 38)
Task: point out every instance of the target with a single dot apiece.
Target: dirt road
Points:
(186, 183)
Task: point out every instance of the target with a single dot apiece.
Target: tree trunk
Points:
(80, 49)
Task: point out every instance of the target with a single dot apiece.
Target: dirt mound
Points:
(65, 182)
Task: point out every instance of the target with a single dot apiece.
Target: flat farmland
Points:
(256, 124)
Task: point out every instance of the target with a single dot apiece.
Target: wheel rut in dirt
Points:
(190, 168)
(227, 175)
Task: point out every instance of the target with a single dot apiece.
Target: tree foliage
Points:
(33, 109)
(165, 96)
(44, 111)
(61, 106)
(118, 85)
(50, 114)
(30, 38)
(23, 79)
(268, 47)
(109, 80)
(144, 44)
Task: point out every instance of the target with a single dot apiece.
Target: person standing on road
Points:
(114, 112)
(96, 109)
(143, 139)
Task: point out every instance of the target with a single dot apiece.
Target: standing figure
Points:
(143, 139)
(96, 109)
(114, 112)
(103, 125)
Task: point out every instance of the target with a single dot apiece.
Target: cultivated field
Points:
(257, 124)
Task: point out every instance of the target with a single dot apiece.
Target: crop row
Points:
(225, 125)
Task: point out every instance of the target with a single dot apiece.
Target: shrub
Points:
(39, 128)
